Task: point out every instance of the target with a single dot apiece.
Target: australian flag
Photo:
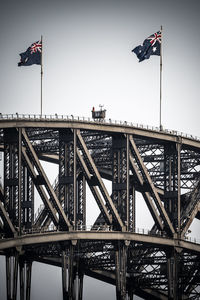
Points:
(150, 46)
(32, 55)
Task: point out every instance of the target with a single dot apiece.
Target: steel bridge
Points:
(162, 166)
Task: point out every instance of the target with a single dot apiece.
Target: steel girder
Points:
(164, 170)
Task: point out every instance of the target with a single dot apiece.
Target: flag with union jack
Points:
(32, 55)
(150, 46)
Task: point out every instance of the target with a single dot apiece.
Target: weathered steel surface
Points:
(162, 167)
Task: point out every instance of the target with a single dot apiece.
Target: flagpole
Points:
(161, 127)
(41, 75)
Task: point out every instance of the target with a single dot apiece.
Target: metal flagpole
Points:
(41, 75)
(161, 128)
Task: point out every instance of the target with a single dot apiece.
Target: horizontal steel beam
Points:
(112, 128)
(40, 238)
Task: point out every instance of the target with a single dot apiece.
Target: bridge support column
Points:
(25, 268)
(130, 294)
(78, 286)
(12, 276)
(121, 265)
(172, 274)
(68, 278)
(80, 293)
(64, 275)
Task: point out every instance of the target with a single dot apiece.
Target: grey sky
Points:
(88, 61)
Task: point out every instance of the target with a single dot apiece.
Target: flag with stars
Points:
(32, 55)
(150, 46)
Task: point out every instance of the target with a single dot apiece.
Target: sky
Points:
(87, 61)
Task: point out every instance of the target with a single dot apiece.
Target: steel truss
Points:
(163, 168)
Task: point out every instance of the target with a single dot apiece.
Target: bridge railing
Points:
(100, 228)
(56, 117)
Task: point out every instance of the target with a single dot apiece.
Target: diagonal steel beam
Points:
(193, 208)
(146, 196)
(43, 215)
(89, 161)
(6, 219)
(193, 280)
(40, 189)
(140, 179)
(1, 225)
(47, 184)
(53, 158)
(153, 190)
(191, 217)
(94, 190)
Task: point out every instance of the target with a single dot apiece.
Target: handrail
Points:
(101, 228)
(56, 117)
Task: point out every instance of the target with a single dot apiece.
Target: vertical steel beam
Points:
(81, 201)
(130, 294)
(11, 174)
(18, 197)
(22, 278)
(120, 270)
(132, 210)
(120, 176)
(8, 277)
(67, 173)
(80, 287)
(173, 183)
(172, 275)
(12, 276)
(71, 272)
(64, 275)
(28, 199)
(117, 272)
(68, 275)
(25, 268)
(28, 280)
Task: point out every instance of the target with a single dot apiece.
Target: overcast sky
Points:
(88, 61)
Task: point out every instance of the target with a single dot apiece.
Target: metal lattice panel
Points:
(162, 168)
